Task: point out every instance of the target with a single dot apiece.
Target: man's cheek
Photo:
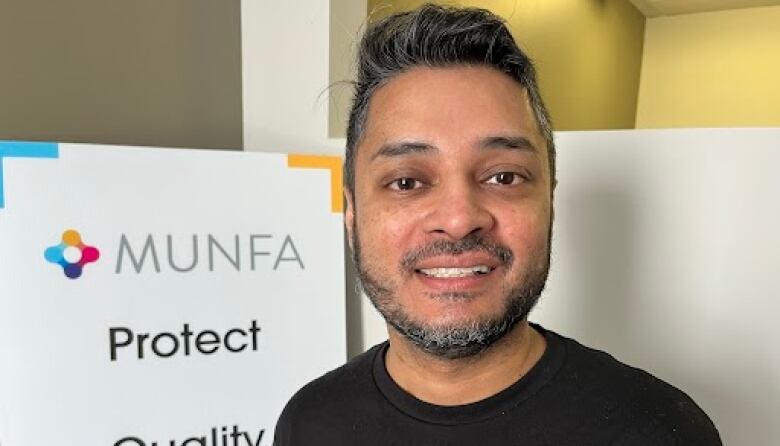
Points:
(391, 226)
(374, 229)
(527, 241)
(527, 221)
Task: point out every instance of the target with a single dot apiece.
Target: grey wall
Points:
(139, 72)
(347, 23)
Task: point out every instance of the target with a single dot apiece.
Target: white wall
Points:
(665, 254)
(285, 68)
(287, 71)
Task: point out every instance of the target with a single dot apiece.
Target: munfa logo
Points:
(71, 254)
(149, 256)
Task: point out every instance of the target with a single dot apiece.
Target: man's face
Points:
(450, 215)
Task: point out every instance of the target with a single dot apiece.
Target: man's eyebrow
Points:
(508, 142)
(403, 148)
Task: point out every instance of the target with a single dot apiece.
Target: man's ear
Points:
(349, 215)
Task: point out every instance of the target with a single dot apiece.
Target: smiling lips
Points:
(465, 265)
(443, 273)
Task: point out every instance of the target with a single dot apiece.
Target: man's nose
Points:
(459, 212)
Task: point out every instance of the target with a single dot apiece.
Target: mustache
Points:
(470, 243)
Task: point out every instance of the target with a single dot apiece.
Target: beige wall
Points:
(141, 72)
(714, 69)
(588, 54)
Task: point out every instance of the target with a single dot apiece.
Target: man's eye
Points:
(505, 178)
(405, 184)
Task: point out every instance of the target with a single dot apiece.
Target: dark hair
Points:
(438, 36)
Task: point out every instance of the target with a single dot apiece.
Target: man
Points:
(449, 179)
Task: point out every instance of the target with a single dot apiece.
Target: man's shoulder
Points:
(330, 395)
(652, 410)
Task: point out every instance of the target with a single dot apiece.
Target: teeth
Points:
(456, 272)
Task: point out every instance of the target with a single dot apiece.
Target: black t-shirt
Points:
(574, 395)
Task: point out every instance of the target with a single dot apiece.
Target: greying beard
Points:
(454, 341)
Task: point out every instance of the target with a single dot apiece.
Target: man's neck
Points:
(451, 382)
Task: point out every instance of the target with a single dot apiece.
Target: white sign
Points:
(163, 297)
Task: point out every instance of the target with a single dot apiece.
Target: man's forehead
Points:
(396, 149)
(417, 110)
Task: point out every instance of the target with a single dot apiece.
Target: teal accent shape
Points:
(24, 149)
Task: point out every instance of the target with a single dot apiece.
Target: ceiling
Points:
(655, 8)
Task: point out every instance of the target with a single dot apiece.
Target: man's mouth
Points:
(443, 273)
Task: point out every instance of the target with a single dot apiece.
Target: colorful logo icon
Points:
(72, 254)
